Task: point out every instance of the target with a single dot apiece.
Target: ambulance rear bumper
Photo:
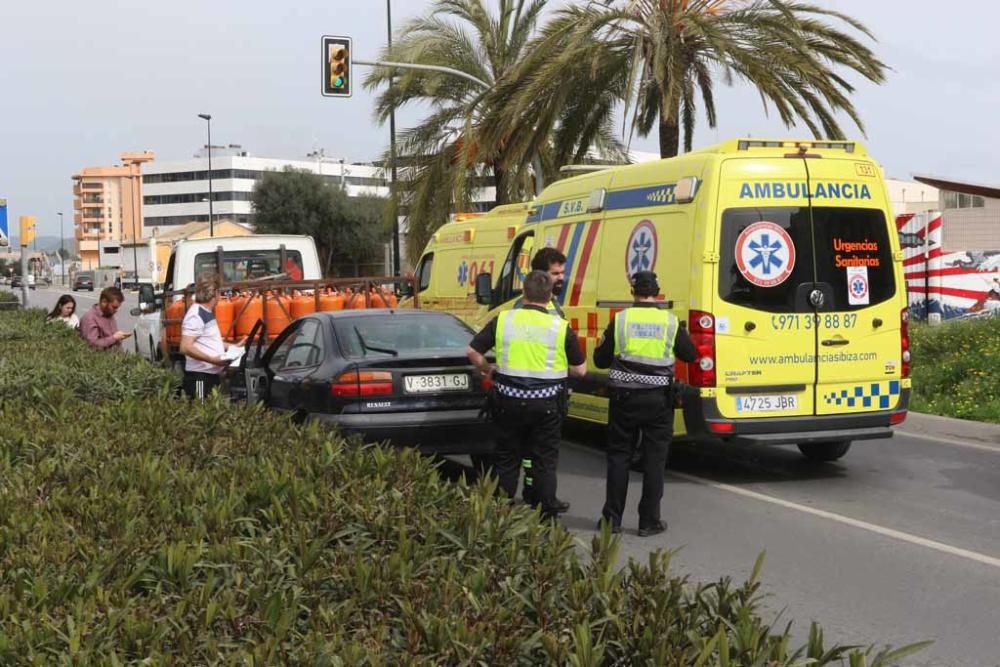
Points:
(798, 430)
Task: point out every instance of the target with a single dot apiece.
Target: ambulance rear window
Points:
(767, 258)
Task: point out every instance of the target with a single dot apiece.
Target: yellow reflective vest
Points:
(531, 344)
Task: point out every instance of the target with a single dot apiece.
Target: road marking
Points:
(951, 441)
(846, 520)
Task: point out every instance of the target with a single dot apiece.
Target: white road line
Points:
(846, 520)
(984, 447)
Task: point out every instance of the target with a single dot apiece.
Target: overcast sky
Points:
(82, 82)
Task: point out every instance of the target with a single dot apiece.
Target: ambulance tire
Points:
(825, 451)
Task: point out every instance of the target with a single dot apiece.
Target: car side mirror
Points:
(136, 312)
(484, 289)
(405, 290)
(146, 296)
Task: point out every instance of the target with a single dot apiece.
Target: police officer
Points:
(553, 262)
(535, 351)
(639, 347)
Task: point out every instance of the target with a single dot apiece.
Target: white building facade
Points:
(177, 192)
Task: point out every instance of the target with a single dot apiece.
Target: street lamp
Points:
(62, 249)
(211, 223)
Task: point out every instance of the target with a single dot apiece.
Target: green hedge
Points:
(35, 355)
(6, 296)
(161, 531)
(956, 369)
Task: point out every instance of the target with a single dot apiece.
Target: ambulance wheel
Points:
(825, 451)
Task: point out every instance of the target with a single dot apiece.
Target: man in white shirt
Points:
(201, 342)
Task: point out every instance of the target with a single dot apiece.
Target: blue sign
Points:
(4, 229)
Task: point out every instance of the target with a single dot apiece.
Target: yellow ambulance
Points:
(780, 257)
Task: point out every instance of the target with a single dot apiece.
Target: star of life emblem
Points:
(640, 252)
(765, 254)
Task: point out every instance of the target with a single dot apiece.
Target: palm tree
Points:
(469, 139)
(663, 57)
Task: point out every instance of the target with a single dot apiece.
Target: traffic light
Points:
(27, 230)
(337, 66)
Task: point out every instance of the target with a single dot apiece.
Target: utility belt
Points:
(504, 395)
(618, 378)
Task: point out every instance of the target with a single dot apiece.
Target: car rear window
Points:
(373, 336)
(242, 265)
(767, 254)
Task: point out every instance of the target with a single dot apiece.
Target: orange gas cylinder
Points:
(250, 310)
(276, 314)
(175, 311)
(302, 304)
(390, 299)
(224, 316)
(356, 301)
(376, 299)
(331, 301)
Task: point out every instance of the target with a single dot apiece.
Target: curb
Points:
(934, 426)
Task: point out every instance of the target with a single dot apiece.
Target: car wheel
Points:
(825, 451)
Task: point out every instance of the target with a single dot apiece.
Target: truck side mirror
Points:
(484, 289)
(147, 299)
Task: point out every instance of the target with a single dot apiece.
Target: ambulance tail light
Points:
(904, 341)
(701, 326)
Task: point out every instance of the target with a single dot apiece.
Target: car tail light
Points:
(486, 383)
(904, 340)
(362, 383)
(701, 326)
(897, 417)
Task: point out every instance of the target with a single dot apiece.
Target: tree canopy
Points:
(348, 231)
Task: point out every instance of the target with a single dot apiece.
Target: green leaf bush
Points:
(956, 369)
(6, 296)
(146, 529)
(35, 355)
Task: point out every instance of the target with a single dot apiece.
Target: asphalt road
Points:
(896, 543)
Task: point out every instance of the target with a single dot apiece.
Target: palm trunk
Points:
(670, 131)
(500, 183)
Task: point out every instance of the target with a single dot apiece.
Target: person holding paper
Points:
(205, 353)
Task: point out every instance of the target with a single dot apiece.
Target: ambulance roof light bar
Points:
(747, 144)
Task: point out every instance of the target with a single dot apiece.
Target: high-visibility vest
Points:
(646, 336)
(531, 344)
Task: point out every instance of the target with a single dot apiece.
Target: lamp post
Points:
(211, 223)
(62, 249)
(392, 157)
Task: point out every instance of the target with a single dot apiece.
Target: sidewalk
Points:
(932, 426)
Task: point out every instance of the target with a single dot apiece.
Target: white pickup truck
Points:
(234, 259)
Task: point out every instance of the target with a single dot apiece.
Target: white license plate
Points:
(422, 384)
(767, 403)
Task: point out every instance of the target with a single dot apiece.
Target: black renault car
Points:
(398, 375)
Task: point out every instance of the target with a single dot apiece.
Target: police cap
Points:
(644, 283)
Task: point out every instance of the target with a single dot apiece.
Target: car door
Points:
(297, 355)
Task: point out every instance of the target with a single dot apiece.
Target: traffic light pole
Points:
(536, 161)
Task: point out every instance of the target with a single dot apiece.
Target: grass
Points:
(956, 369)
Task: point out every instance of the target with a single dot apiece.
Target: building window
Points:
(951, 200)
(92, 186)
(194, 197)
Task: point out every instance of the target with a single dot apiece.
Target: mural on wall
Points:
(949, 283)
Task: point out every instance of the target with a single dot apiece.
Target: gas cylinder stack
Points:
(240, 307)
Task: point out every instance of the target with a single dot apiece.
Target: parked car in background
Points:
(130, 280)
(16, 281)
(84, 280)
(397, 375)
(31, 281)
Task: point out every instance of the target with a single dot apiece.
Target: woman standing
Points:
(65, 312)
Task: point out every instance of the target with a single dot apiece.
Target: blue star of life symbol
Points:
(641, 247)
(463, 273)
(858, 287)
(764, 254)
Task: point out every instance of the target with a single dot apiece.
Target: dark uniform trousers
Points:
(528, 433)
(634, 411)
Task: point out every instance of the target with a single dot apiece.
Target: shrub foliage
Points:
(155, 530)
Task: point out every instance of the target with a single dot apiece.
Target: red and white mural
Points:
(948, 283)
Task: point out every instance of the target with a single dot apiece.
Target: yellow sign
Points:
(27, 230)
